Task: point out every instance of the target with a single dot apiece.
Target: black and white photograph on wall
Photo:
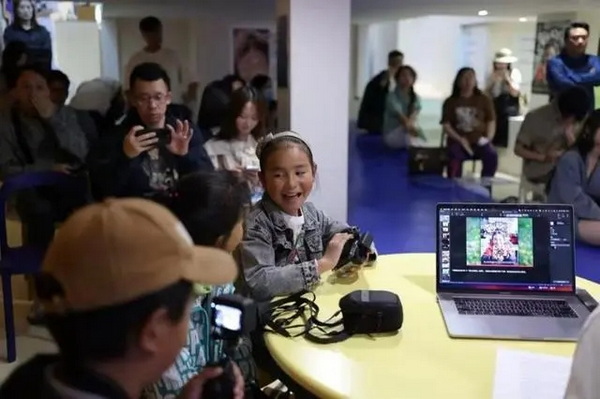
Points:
(549, 40)
(251, 52)
(282, 52)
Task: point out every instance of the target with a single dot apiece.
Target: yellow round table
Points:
(419, 362)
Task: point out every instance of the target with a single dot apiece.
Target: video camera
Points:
(232, 316)
(356, 250)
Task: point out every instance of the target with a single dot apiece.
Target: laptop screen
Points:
(505, 247)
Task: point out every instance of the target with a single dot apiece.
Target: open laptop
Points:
(507, 271)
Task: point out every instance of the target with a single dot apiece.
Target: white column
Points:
(319, 76)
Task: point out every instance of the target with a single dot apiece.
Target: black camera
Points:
(232, 316)
(357, 249)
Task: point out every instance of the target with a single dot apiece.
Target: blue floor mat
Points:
(400, 212)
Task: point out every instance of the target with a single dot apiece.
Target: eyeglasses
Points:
(147, 100)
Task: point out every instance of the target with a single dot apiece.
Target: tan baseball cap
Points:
(116, 251)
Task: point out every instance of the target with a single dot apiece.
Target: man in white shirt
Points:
(183, 86)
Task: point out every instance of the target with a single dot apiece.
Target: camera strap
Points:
(297, 316)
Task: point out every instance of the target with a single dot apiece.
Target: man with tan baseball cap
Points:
(116, 287)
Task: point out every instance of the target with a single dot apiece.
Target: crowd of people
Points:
(157, 207)
(556, 141)
(166, 208)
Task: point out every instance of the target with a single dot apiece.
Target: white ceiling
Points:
(366, 10)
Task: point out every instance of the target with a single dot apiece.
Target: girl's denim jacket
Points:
(267, 252)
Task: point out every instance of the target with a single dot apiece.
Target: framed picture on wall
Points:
(548, 43)
(251, 52)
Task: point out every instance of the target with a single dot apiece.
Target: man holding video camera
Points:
(116, 288)
(152, 147)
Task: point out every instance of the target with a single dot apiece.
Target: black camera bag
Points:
(362, 312)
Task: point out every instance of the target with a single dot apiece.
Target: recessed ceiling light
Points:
(483, 13)
(522, 19)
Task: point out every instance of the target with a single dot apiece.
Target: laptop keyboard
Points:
(514, 307)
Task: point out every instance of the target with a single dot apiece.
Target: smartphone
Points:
(163, 134)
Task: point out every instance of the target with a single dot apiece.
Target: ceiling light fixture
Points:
(483, 13)
(522, 19)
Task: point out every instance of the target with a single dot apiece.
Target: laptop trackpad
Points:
(513, 327)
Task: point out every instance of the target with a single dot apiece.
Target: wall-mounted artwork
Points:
(548, 43)
(251, 52)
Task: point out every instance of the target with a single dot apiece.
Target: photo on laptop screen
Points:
(505, 247)
(501, 242)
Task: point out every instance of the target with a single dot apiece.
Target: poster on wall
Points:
(283, 55)
(251, 50)
(548, 43)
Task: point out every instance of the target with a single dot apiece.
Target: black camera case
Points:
(371, 312)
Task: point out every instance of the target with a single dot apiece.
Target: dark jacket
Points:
(36, 379)
(372, 107)
(37, 39)
(114, 174)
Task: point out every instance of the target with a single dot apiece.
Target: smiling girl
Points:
(288, 243)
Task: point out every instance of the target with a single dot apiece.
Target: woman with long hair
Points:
(25, 28)
(576, 180)
(468, 119)
(402, 108)
(234, 146)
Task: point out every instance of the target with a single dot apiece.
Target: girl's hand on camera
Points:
(333, 252)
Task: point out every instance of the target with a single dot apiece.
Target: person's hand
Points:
(44, 106)
(62, 168)
(181, 135)
(466, 145)
(333, 252)
(193, 389)
(135, 145)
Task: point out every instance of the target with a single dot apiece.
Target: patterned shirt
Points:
(197, 352)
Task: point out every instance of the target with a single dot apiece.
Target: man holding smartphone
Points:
(152, 149)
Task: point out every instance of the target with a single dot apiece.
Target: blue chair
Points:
(26, 259)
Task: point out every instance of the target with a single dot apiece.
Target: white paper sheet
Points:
(529, 375)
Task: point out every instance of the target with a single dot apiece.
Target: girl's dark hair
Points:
(278, 143)
(412, 95)
(210, 204)
(456, 84)
(17, 20)
(586, 139)
(107, 333)
(239, 99)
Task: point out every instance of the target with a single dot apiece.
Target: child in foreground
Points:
(288, 243)
(211, 206)
(116, 289)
